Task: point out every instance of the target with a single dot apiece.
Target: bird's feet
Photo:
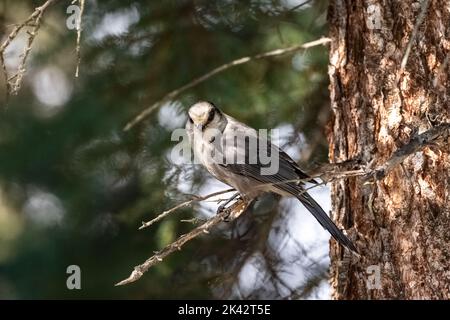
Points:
(227, 214)
(235, 210)
(227, 210)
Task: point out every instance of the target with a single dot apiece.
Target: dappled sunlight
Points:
(115, 23)
(172, 115)
(52, 89)
(42, 208)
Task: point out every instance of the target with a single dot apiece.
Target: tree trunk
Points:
(401, 223)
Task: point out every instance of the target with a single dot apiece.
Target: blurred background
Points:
(74, 187)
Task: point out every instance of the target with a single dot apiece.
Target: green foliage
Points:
(107, 181)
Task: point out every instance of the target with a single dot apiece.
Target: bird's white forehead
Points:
(200, 110)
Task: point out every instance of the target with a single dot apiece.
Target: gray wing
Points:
(288, 170)
(251, 167)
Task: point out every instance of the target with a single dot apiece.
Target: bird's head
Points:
(204, 115)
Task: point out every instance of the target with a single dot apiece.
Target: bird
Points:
(212, 133)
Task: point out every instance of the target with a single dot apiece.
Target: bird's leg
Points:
(237, 208)
(222, 207)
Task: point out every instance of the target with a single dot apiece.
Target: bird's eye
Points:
(210, 115)
(190, 120)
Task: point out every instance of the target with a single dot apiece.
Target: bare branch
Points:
(33, 20)
(29, 21)
(173, 94)
(79, 30)
(442, 67)
(299, 5)
(236, 210)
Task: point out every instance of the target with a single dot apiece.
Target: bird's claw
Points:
(226, 211)
(220, 208)
(227, 216)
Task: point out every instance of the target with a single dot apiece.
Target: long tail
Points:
(324, 220)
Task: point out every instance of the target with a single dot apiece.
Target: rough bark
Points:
(400, 223)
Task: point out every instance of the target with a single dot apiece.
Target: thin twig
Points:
(324, 176)
(173, 94)
(419, 21)
(182, 205)
(13, 34)
(33, 20)
(79, 30)
(194, 220)
(298, 6)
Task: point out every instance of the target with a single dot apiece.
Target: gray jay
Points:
(230, 151)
